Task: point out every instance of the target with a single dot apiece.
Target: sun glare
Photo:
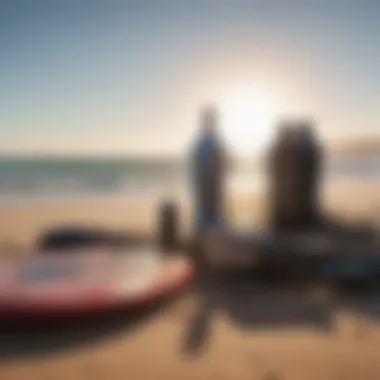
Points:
(248, 120)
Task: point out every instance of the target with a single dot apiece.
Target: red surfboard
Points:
(88, 282)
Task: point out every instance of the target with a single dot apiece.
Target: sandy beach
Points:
(212, 331)
(110, 108)
(24, 220)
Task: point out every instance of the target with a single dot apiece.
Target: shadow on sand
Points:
(247, 305)
(251, 305)
(28, 338)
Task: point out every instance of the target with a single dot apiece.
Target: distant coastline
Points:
(362, 146)
(369, 145)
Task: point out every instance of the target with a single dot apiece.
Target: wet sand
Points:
(212, 331)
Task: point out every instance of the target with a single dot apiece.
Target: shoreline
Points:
(24, 219)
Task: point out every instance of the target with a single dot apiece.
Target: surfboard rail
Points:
(56, 285)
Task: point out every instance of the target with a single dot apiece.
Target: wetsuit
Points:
(207, 180)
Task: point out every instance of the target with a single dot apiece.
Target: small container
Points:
(168, 226)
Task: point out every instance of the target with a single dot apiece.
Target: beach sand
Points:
(213, 331)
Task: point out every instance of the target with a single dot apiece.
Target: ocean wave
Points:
(66, 178)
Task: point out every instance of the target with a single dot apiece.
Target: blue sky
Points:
(127, 77)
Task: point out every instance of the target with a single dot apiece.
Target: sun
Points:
(248, 119)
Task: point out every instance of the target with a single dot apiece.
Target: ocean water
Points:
(52, 178)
